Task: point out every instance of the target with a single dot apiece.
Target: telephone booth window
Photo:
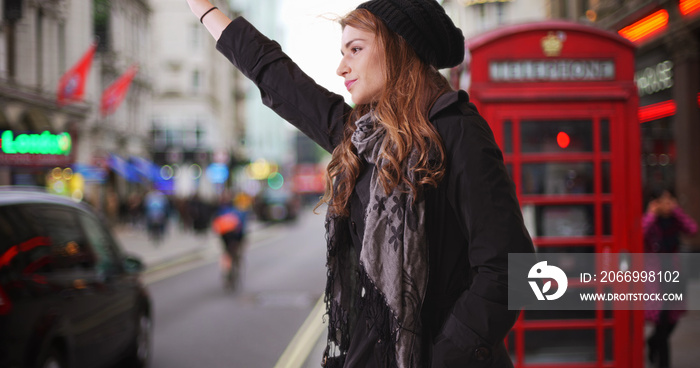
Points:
(605, 176)
(604, 135)
(557, 178)
(564, 220)
(607, 219)
(608, 344)
(556, 136)
(563, 346)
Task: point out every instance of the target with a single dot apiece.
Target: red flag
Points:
(71, 86)
(113, 95)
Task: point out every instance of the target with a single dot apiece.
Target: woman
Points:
(421, 211)
(663, 224)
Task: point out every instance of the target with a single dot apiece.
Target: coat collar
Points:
(446, 100)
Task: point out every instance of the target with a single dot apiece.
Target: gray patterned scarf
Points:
(393, 269)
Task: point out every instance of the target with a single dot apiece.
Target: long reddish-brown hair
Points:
(402, 108)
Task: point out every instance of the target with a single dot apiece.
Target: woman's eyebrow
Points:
(347, 44)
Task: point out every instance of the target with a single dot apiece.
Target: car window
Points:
(101, 242)
(69, 249)
(24, 246)
(7, 232)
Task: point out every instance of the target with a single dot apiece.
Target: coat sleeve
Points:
(688, 225)
(293, 95)
(482, 196)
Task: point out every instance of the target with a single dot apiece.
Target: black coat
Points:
(473, 217)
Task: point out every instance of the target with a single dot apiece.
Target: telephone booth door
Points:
(571, 146)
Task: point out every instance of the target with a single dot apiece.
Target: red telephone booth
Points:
(561, 100)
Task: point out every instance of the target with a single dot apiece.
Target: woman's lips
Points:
(349, 84)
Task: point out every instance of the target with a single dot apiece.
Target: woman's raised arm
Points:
(214, 20)
(284, 87)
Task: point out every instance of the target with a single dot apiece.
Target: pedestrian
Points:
(135, 209)
(156, 207)
(183, 211)
(200, 214)
(421, 210)
(663, 224)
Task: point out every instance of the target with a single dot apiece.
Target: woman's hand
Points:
(198, 7)
(215, 21)
(653, 207)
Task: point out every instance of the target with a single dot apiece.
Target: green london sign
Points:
(45, 143)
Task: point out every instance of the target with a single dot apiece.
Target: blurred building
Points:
(478, 16)
(667, 35)
(112, 141)
(38, 41)
(268, 136)
(195, 120)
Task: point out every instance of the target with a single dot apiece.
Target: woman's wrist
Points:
(199, 7)
(214, 20)
(201, 19)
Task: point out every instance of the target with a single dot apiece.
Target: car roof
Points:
(10, 195)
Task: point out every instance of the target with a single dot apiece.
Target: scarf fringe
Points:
(379, 317)
(338, 339)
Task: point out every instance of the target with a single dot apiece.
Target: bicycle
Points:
(231, 264)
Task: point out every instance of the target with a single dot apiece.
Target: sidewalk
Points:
(177, 247)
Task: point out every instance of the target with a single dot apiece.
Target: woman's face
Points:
(361, 65)
(666, 204)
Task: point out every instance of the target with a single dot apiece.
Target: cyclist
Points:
(229, 223)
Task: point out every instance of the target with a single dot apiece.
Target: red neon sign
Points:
(688, 6)
(657, 111)
(646, 26)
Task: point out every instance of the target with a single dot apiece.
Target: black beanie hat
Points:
(425, 26)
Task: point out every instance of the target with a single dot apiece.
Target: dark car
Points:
(69, 297)
(277, 205)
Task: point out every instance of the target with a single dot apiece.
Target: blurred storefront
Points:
(28, 156)
(55, 85)
(38, 141)
(37, 134)
(667, 74)
(40, 155)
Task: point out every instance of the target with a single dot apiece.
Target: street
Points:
(274, 319)
(199, 324)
